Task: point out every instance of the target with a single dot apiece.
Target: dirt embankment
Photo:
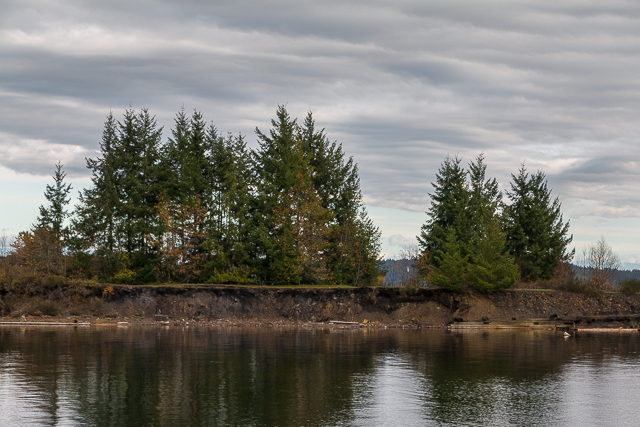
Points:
(388, 306)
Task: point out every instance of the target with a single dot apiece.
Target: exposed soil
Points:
(311, 306)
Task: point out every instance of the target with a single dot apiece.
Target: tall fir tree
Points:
(353, 241)
(53, 216)
(96, 214)
(290, 205)
(536, 234)
(448, 211)
(230, 182)
(462, 238)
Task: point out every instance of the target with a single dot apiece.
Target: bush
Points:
(630, 286)
(107, 292)
(125, 276)
(54, 281)
(237, 275)
(47, 307)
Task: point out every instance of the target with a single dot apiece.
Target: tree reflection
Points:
(205, 376)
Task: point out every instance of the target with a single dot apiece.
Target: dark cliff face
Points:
(383, 305)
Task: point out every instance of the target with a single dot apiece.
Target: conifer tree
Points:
(290, 205)
(462, 238)
(53, 216)
(96, 223)
(141, 180)
(353, 240)
(536, 235)
(448, 210)
(449, 264)
(230, 181)
(185, 154)
(44, 246)
(117, 217)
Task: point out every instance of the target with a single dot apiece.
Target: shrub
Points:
(124, 276)
(237, 275)
(630, 286)
(47, 307)
(107, 292)
(54, 281)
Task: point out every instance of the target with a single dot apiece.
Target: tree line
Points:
(202, 207)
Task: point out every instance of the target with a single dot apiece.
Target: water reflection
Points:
(209, 377)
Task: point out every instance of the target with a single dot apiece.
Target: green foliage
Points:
(449, 269)
(462, 238)
(536, 235)
(52, 217)
(311, 225)
(119, 212)
(447, 213)
(203, 207)
(491, 268)
(236, 276)
(629, 286)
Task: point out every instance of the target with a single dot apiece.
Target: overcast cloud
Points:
(400, 84)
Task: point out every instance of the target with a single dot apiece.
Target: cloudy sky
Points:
(401, 84)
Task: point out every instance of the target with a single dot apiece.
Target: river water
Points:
(146, 376)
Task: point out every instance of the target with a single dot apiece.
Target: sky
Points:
(400, 84)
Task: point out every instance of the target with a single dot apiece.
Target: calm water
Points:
(265, 377)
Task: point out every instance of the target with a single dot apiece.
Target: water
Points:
(137, 376)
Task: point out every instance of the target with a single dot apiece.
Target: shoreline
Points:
(321, 307)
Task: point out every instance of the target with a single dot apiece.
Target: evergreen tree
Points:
(462, 239)
(449, 265)
(53, 216)
(353, 240)
(117, 217)
(290, 207)
(448, 211)
(186, 157)
(95, 224)
(491, 267)
(230, 182)
(141, 182)
(44, 247)
(536, 235)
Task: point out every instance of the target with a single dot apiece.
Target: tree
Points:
(186, 157)
(353, 241)
(448, 211)
(231, 238)
(179, 245)
(97, 222)
(5, 244)
(53, 216)
(293, 220)
(599, 265)
(536, 234)
(491, 267)
(462, 240)
(449, 266)
(40, 250)
(117, 217)
(44, 246)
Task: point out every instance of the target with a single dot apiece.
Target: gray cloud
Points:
(400, 84)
